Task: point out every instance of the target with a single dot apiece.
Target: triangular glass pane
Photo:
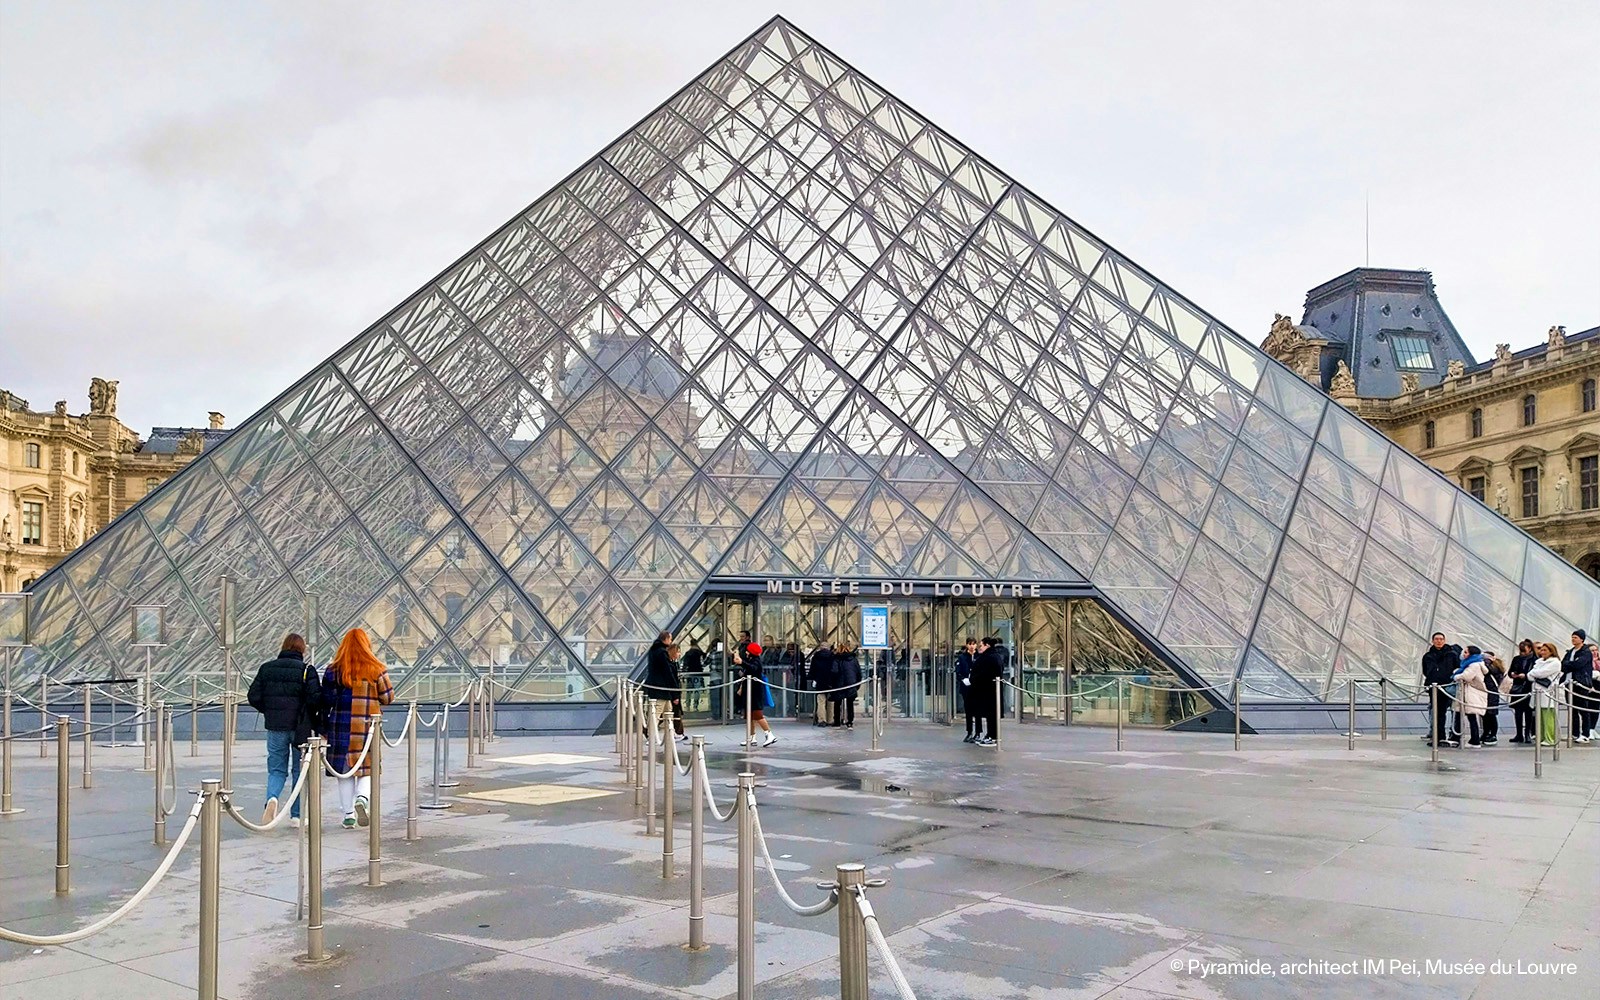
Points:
(344, 571)
(703, 521)
(1207, 646)
(362, 461)
(300, 514)
(192, 508)
(559, 467)
(508, 517)
(403, 516)
(558, 574)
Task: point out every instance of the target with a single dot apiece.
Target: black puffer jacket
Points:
(288, 693)
(660, 673)
(1439, 665)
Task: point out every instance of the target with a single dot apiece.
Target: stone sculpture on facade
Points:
(1344, 383)
(103, 397)
(1502, 352)
(1557, 337)
(1502, 500)
(1562, 483)
(1409, 382)
(1456, 368)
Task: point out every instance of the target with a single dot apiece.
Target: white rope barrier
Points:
(41, 940)
(410, 718)
(815, 909)
(284, 808)
(705, 783)
(366, 748)
(875, 935)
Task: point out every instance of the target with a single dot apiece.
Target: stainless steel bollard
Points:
(1538, 739)
(1236, 723)
(669, 774)
(88, 729)
(375, 805)
(210, 883)
(44, 715)
(628, 723)
(227, 741)
(444, 777)
(638, 750)
(747, 888)
(6, 808)
(472, 727)
(697, 847)
(1555, 696)
(650, 749)
(194, 716)
(749, 721)
(872, 723)
(1350, 686)
(438, 765)
(1383, 709)
(617, 711)
(63, 805)
(1119, 713)
(1433, 721)
(313, 817)
(996, 714)
(146, 699)
(849, 878)
(411, 772)
(159, 837)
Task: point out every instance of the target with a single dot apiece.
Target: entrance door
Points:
(978, 619)
(712, 630)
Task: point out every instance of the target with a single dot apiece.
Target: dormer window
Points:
(1412, 352)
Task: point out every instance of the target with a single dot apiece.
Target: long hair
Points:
(354, 661)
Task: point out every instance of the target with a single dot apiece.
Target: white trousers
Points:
(349, 789)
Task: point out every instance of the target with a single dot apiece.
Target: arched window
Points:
(1427, 434)
(1477, 423)
(1588, 395)
(1530, 410)
(150, 485)
(30, 454)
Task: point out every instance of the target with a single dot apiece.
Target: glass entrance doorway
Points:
(1072, 660)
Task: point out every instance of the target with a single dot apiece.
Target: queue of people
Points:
(296, 703)
(1472, 684)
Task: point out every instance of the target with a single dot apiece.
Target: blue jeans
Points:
(280, 748)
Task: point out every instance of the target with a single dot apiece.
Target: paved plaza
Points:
(1054, 867)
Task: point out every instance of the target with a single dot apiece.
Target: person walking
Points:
(847, 678)
(1521, 696)
(355, 687)
(964, 688)
(1439, 664)
(1544, 673)
(823, 678)
(661, 683)
(288, 694)
(759, 697)
(1577, 673)
(1474, 693)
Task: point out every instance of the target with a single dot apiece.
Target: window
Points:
(1530, 409)
(1477, 423)
(1412, 353)
(74, 463)
(402, 618)
(30, 454)
(32, 522)
(1589, 482)
(151, 484)
(453, 605)
(1588, 395)
(1530, 491)
(1477, 485)
(1427, 434)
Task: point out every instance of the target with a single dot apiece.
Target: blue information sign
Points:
(874, 626)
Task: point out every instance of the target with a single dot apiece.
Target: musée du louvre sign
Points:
(836, 587)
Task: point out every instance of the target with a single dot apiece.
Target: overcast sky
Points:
(204, 200)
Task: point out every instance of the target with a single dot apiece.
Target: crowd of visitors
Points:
(1471, 684)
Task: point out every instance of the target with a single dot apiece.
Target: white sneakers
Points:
(362, 818)
(770, 739)
(270, 812)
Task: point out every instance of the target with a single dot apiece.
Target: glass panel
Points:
(1359, 446)
(1312, 586)
(1290, 640)
(1420, 487)
(1488, 536)
(1559, 586)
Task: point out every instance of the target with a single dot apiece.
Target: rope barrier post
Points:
(617, 701)
(1350, 687)
(159, 838)
(411, 772)
(194, 716)
(227, 741)
(852, 933)
(313, 817)
(63, 804)
(630, 741)
(210, 882)
(1538, 741)
(88, 728)
(1555, 697)
(1433, 721)
(650, 769)
(697, 845)
(1119, 714)
(1383, 709)
(749, 723)
(998, 704)
(145, 699)
(375, 808)
(1236, 723)
(669, 773)
(438, 764)
(44, 714)
(1567, 715)
(444, 779)
(747, 889)
(6, 808)
(472, 721)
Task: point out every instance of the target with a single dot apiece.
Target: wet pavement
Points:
(1052, 867)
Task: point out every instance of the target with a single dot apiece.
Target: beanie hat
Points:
(754, 648)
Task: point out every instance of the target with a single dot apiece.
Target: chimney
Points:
(216, 420)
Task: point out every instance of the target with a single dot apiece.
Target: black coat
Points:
(1439, 665)
(989, 665)
(963, 664)
(288, 694)
(1520, 665)
(823, 673)
(1577, 666)
(660, 673)
(694, 659)
(846, 671)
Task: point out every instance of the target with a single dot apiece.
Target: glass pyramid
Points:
(787, 327)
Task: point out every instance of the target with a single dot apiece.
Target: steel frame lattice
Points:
(786, 327)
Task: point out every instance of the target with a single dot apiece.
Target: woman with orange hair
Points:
(355, 687)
